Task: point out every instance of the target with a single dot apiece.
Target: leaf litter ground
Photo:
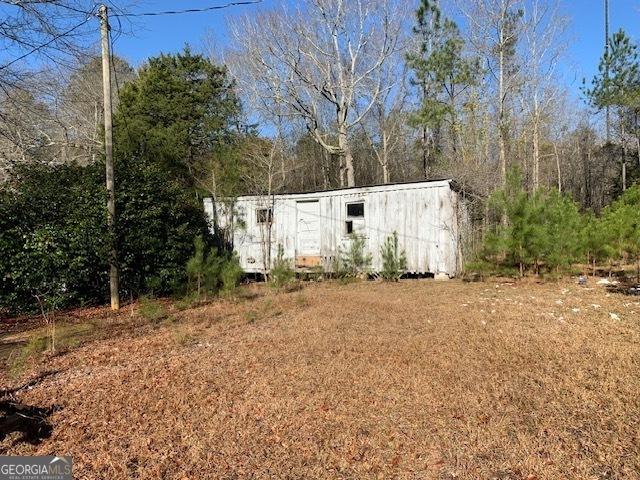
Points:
(416, 380)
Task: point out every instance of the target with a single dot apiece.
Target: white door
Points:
(308, 228)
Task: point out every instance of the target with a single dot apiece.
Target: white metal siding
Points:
(308, 228)
(423, 214)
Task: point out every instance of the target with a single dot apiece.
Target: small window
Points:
(264, 215)
(355, 209)
(348, 227)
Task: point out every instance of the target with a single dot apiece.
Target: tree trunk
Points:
(326, 160)
(385, 159)
(346, 157)
(425, 92)
(587, 177)
(624, 158)
(454, 123)
(536, 144)
(270, 214)
(385, 173)
(425, 154)
(555, 151)
(501, 110)
(350, 174)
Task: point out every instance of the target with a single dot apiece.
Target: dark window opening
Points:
(349, 226)
(355, 209)
(264, 215)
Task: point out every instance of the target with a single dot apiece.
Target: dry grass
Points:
(419, 379)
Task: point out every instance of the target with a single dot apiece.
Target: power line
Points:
(91, 13)
(93, 10)
(115, 76)
(46, 44)
(188, 10)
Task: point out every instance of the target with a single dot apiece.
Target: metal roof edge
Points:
(414, 183)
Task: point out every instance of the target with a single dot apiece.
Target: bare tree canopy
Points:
(352, 92)
(33, 32)
(321, 63)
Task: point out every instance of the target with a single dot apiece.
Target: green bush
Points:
(619, 228)
(54, 240)
(152, 310)
(545, 233)
(231, 274)
(157, 221)
(204, 271)
(53, 237)
(175, 121)
(394, 261)
(354, 261)
(562, 239)
(281, 273)
(539, 232)
(213, 272)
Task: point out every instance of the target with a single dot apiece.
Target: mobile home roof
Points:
(433, 183)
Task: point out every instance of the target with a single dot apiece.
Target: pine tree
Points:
(617, 85)
(596, 241)
(621, 221)
(441, 72)
(355, 260)
(207, 269)
(394, 261)
(181, 110)
(543, 229)
(564, 241)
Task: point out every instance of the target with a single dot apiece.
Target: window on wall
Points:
(355, 209)
(348, 225)
(264, 215)
(354, 222)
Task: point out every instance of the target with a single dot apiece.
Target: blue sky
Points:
(169, 33)
(587, 27)
(165, 34)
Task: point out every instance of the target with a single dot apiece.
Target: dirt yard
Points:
(417, 380)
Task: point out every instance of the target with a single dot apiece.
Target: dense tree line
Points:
(427, 96)
(319, 94)
(545, 233)
(175, 114)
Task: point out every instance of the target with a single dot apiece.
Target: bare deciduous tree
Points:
(383, 127)
(46, 114)
(50, 31)
(324, 56)
(495, 27)
(543, 47)
(264, 177)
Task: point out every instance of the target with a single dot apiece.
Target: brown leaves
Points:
(365, 382)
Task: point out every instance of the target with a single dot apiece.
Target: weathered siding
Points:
(424, 214)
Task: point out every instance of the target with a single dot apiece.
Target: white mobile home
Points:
(313, 228)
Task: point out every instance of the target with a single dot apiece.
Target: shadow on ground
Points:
(27, 420)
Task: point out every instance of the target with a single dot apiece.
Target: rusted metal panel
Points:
(307, 261)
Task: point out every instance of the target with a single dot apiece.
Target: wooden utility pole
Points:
(606, 73)
(108, 154)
